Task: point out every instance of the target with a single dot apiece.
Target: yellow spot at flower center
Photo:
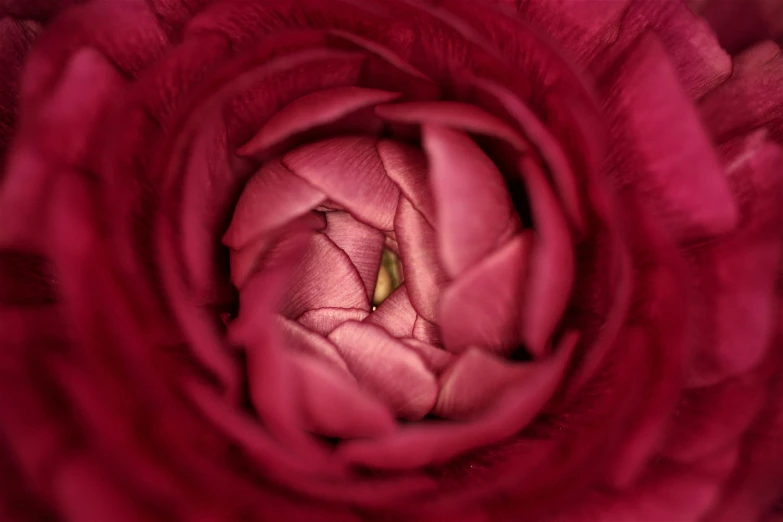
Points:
(388, 278)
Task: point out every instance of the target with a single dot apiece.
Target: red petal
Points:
(425, 331)
(385, 366)
(407, 167)
(362, 243)
(324, 320)
(472, 201)
(481, 307)
(349, 171)
(436, 359)
(314, 109)
(300, 340)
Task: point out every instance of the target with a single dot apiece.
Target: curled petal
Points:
(481, 307)
(395, 314)
(349, 171)
(384, 365)
(407, 167)
(425, 331)
(362, 243)
(436, 359)
(471, 199)
(300, 340)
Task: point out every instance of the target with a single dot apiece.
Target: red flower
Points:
(388, 260)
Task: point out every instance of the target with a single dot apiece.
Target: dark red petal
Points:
(385, 366)
(471, 199)
(349, 171)
(481, 307)
(672, 169)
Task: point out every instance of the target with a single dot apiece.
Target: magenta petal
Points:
(395, 314)
(299, 339)
(318, 108)
(733, 278)
(551, 272)
(324, 320)
(363, 244)
(407, 167)
(482, 306)
(336, 407)
(462, 116)
(387, 368)
(349, 171)
(420, 445)
(671, 169)
(436, 359)
(272, 197)
(325, 278)
(423, 274)
(427, 332)
(472, 201)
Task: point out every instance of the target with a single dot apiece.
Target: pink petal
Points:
(482, 306)
(739, 26)
(420, 445)
(336, 407)
(298, 339)
(672, 169)
(733, 278)
(387, 368)
(407, 167)
(462, 116)
(349, 171)
(272, 197)
(395, 314)
(476, 381)
(325, 278)
(750, 98)
(472, 201)
(427, 332)
(551, 271)
(318, 108)
(436, 359)
(324, 320)
(363, 245)
(423, 274)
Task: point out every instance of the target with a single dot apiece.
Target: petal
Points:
(407, 167)
(475, 382)
(324, 320)
(462, 116)
(551, 271)
(423, 274)
(427, 332)
(481, 307)
(436, 359)
(395, 314)
(318, 108)
(349, 171)
(325, 278)
(472, 201)
(733, 278)
(272, 197)
(300, 340)
(387, 368)
(672, 169)
(363, 245)
(419, 445)
(336, 407)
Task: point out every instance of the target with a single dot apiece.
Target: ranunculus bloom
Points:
(388, 260)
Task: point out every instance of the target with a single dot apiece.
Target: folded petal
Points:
(424, 276)
(362, 243)
(481, 307)
(395, 314)
(407, 167)
(471, 198)
(324, 320)
(349, 171)
(672, 169)
(271, 198)
(437, 359)
(388, 368)
(318, 108)
(335, 407)
(427, 332)
(300, 340)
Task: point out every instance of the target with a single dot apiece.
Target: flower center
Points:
(388, 278)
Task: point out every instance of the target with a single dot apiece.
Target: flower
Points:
(388, 260)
